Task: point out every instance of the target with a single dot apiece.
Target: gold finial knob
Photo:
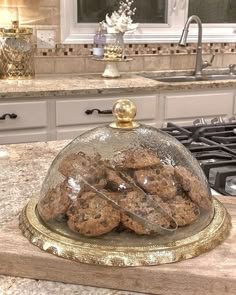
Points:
(125, 111)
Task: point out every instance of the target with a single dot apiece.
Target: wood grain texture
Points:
(210, 273)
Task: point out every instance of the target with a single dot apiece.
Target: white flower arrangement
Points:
(121, 21)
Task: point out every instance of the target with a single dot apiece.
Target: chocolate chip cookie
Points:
(158, 181)
(56, 201)
(90, 168)
(115, 182)
(192, 186)
(135, 159)
(92, 216)
(138, 203)
(183, 210)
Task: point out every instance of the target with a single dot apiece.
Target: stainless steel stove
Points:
(214, 146)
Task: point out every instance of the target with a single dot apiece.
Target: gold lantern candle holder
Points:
(17, 52)
(114, 48)
(112, 51)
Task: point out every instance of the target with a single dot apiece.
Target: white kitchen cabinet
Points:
(183, 108)
(29, 115)
(55, 118)
(72, 119)
(22, 121)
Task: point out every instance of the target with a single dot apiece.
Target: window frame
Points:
(74, 33)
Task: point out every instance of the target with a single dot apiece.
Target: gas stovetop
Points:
(214, 146)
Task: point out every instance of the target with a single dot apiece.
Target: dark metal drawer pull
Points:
(105, 112)
(11, 116)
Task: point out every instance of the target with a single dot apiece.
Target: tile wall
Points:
(45, 14)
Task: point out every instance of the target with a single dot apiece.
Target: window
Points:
(90, 11)
(214, 11)
(159, 21)
(148, 11)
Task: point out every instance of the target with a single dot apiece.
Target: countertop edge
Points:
(95, 85)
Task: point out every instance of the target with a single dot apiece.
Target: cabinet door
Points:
(73, 112)
(72, 120)
(23, 122)
(185, 107)
(28, 115)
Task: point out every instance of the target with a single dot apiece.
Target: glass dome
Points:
(125, 184)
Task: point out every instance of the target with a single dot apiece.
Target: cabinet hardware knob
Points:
(104, 112)
(11, 116)
(232, 119)
(217, 120)
(199, 121)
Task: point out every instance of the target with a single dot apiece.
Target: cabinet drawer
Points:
(72, 112)
(29, 115)
(198, 105)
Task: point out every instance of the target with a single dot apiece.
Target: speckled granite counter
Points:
(23, 168)
(96, 85)
(74, 85)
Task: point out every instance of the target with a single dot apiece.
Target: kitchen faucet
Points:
(200, 64)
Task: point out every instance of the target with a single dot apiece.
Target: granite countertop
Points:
(23, 168)
(95, 84)
(47, 86)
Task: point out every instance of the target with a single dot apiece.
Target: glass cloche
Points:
(126, 189)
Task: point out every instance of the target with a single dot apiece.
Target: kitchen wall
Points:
(45, 14)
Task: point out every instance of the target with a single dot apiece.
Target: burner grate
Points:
(224, 139)
(214, 146)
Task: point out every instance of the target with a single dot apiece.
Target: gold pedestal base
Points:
(86, 252)
(111, 68)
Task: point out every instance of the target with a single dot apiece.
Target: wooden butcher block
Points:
(210, 273)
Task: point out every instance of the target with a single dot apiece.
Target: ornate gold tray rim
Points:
(113, 59)
(11, 32)
(207, 239)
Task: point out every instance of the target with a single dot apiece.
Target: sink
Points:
(194, 78)
(186, 78)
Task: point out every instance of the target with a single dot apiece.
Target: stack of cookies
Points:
(99, 196)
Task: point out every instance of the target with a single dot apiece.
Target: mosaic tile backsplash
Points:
(77, 58)
(140, 49)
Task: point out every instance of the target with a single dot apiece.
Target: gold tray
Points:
(100, 251)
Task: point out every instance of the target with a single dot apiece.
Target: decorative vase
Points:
(114, 48)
